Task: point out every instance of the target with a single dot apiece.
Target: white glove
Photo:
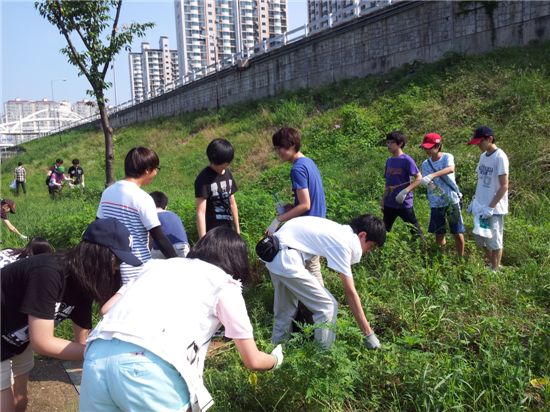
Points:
(273, 226)
(23, 237)
(372, 342)
(487, 212)
(426, 180)
(82, 184)
(400, 198)
(277, 353)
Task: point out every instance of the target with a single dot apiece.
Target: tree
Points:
(89, 26)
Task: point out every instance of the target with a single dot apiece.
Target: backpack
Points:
(48, 178)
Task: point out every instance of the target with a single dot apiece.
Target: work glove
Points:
(487, 212)
(82, 184)
(23, 237)
(400, 198)
(277, 353)
(273, 227)
(372, 342)
(426, 180)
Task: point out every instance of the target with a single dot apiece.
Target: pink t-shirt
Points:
(231, 311)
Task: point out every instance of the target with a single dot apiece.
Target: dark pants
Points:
(22, 184)
(406, 214)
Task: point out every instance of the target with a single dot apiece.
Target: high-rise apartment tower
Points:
(209, 31)
(153, 71)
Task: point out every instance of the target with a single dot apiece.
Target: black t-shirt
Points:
(75, 174)
(216, 189)
(37, 286)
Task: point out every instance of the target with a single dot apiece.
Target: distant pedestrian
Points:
(490, 203)
(20, 176)
(76, 173)
(443, 192)
(215, 190)
(58, 162)
(171, 225)
(397, 200)
(57, 178)
(131, 205)
(8, 206)
(307, 185)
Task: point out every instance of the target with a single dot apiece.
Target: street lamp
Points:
(56, 124)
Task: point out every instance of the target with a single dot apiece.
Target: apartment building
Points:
(153, 71)
(320, 11)
(85, 108)
(209, 31)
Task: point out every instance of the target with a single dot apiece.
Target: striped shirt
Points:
(20, 174)
(129, 204)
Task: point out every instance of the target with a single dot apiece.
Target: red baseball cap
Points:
(430, 140)
(481, 133)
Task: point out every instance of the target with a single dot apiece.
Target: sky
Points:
(31, 62)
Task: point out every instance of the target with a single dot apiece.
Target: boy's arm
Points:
(503, 180)
(235, 213)
(415, 183)
(304, 204)
(354, 302)
(43, 341)
(11, 227)
(201, 216)
(442, 172)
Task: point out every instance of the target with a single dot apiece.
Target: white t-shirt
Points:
(7, 257)
(172, 309)
(321, 237)
(129, 204)
(489, 168)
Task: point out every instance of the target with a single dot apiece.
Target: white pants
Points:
(182, 249)
(294, 284)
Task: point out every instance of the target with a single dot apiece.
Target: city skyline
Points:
(33, 67)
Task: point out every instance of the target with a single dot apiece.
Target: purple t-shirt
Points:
(398, 174)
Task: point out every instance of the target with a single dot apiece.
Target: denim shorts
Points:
(121, 376)
(440, 217)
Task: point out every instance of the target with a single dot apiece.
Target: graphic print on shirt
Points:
(486, 175)
(220, 199)
(20, 336)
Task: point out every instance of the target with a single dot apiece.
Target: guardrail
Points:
(342, 15)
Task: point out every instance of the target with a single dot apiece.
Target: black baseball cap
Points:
(113, 234)
(481, 133)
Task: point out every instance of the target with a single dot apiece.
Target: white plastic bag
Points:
(482, 227)
(13, 184)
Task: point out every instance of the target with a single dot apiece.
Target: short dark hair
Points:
(36, 246)
(220, 151)
(60, 161)
(286, 137)
(224, 248)
(75, 161)
(19, 163)
(139, 160)
(372, 225)
(161, 200)
(398, 137)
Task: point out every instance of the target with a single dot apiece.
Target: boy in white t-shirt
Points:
(342, 246)
(491, 198)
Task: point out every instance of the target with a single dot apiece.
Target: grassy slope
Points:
(455, 335)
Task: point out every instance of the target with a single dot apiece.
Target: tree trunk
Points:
(108, 132)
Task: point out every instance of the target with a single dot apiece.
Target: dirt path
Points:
(50, 389)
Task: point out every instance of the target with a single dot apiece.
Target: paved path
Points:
(51, 388)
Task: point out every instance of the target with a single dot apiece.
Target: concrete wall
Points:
(400, 34)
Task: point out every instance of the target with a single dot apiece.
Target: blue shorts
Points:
(121, 376)
(441, 216)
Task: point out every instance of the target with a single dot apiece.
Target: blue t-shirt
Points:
(305, 175)
(172, 226)
(442, 195)
(398, 174)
